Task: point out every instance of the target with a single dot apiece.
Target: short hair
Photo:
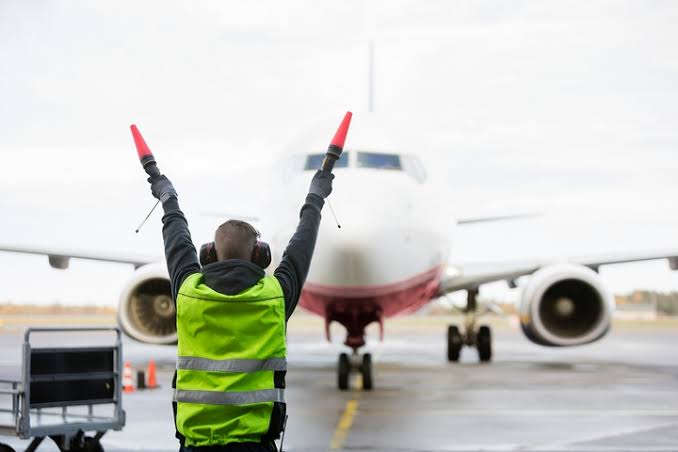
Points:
(235, 239)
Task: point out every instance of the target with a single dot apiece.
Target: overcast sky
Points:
(569, 109)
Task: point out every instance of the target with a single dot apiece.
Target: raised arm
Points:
(296, 260)
(182, 258)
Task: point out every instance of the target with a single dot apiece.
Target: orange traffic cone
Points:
(127, 382)
(152, 380)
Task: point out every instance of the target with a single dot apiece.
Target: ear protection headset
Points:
(261, 254)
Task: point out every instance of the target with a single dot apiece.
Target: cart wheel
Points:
(6, 448)
(59, 441)
(92, 445)
(78, 443)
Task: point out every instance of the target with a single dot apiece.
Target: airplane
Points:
(390, 257)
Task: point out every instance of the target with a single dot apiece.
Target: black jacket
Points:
(234, 275)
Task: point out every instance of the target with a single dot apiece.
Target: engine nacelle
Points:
(565, 304)
(146, 310)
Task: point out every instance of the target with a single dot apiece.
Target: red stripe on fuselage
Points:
(388, 300)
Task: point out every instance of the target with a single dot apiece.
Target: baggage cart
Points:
(64, 392)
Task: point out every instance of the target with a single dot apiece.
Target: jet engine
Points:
(565, 304)
(146, 310)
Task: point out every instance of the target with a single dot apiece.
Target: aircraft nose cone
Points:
(346, 256)
(376, 245)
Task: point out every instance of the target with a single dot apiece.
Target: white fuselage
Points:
(392, 229)
(395, 235)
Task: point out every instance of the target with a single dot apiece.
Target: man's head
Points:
(235, 239)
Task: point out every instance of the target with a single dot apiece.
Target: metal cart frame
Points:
(44, 370)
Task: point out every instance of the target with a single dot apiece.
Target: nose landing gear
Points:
(355, 323)
(366, 370)
(348, 363)
(472, 336)
(343, 371)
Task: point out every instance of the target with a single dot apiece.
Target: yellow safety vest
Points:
(231, 363)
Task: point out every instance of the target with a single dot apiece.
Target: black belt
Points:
(234, 447)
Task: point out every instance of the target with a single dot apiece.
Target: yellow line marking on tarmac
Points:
(344, 424)
(346, 420)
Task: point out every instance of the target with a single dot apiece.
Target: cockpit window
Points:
(315, 161)
(379, 161)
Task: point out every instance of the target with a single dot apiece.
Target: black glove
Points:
(321, 184)
(162, 188)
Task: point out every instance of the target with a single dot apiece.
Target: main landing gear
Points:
(472, 336)
(354, 362)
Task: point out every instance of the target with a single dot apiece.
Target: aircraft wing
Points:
(60, 257)
(471, 275)
(491, 219)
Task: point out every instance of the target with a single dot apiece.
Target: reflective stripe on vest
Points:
(230, 398)
(231, 365)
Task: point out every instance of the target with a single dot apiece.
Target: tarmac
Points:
(614, 395)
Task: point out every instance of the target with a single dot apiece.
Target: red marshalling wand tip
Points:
(340, 137)
(142, 148)
(337, 145)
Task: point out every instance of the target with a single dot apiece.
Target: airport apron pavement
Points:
(618, 394)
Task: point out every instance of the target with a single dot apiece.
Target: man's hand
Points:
(162, 188)
(321, 184)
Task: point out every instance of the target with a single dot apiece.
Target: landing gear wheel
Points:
(484, 343)
(343, 371)
(366, 370)
(6, 448)
(454, 343)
